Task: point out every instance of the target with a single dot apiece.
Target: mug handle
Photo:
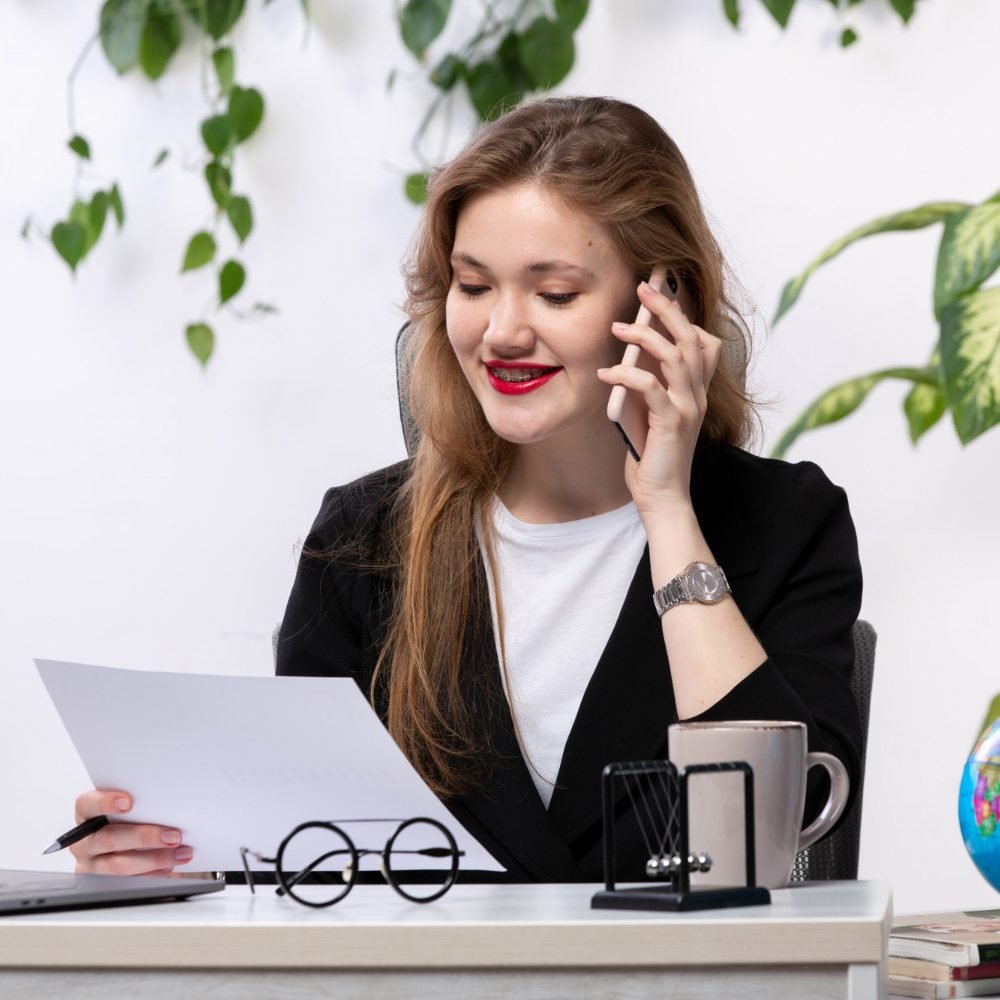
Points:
(840, 785)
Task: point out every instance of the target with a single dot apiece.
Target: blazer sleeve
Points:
(332, 625)
(802, 605)
(317, 632)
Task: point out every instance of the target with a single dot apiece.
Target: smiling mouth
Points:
(519, 374)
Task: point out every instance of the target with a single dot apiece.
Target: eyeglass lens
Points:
(421, 860)
(318, 864)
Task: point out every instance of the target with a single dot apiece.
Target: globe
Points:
(979, 805)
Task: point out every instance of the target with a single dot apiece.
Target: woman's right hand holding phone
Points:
(125, 848)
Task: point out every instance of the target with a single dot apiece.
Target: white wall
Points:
(151, 510)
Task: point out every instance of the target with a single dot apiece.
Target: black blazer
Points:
(784, 536)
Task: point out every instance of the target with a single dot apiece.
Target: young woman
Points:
(494, 595)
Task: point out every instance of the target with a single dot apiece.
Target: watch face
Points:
(706, 583)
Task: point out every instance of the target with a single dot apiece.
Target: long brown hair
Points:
(613, 162)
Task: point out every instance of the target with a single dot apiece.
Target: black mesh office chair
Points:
(836, 856)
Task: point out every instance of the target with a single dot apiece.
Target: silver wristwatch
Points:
(701, 582)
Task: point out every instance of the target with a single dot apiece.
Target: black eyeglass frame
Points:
(288, 881)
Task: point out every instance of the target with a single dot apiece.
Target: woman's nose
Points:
(509, 327)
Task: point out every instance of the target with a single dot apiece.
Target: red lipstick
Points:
(515, 378)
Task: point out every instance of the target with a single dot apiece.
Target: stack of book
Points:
(946, 955)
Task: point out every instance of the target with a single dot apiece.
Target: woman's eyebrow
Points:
(535, 267)
(461, 257)
(545, 266)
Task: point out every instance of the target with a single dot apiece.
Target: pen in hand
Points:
(85, 829)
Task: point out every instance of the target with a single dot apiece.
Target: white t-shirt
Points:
(562, 588)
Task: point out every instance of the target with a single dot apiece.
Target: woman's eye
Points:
(473, 290)
(559, 298)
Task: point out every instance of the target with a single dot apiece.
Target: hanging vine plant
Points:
(509, 55)
(781, 11)
(145, 35)
(524, 47)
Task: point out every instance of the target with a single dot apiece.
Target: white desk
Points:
(538, 942)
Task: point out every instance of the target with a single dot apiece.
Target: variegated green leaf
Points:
(969, 253)
(914, 218)
(925, 404)
(843, 399)
(970, 353)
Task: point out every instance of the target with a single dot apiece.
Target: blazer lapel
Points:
(624, 713)
(629, 702)
(508, 807)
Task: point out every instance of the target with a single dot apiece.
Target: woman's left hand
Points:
(677, 400)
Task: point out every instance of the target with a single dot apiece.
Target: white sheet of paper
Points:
(241, 761)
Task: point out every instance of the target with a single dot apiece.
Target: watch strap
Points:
(678, 590)
(671, 594)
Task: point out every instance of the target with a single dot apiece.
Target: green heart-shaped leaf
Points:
(220, 182)
(572, 12)
(508, 55)
(491, 89)
(416, 188)
(69, 239)
(445, 75)
(904, 8)
(225, 68)
(970, 356)
(200, 251)
(547, 52)
(121, 25)
(80, 214)
(161, 37)
(240, 216)
(231, 280)
(80, 146)
(421, 21)
(731, 8)
(246, 110)
(969, 253)
(201, 340)
(215, 17)
(780, 10)
(216, 133)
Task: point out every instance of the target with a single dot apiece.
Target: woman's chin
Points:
(519, 435)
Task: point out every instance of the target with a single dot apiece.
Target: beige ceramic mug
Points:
(778, 754)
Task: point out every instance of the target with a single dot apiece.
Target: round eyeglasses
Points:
(318, 864)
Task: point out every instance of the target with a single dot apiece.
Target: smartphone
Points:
(627, 409)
